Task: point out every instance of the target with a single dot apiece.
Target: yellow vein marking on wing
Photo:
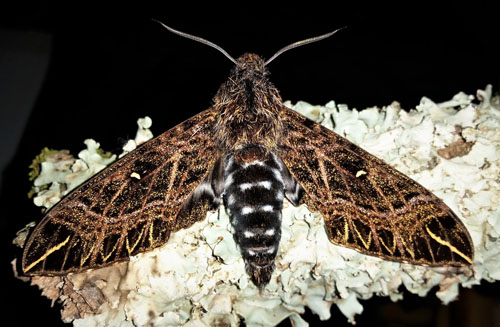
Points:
(105, 258)
(85, 258)
(151, 233)
(346, 230)
(445, 243)
(130, 249)
(49, 252)
(412, 254)
(365, 244)
(391, 251)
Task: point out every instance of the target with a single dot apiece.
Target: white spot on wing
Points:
(360, 173)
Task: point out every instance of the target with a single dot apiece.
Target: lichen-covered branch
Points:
(199, 278)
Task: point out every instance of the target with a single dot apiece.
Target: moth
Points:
(249, 152)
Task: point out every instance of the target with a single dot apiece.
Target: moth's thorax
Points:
(248, 106)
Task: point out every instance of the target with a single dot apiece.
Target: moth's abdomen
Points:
(253, 196)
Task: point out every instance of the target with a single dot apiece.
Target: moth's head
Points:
(250, 64)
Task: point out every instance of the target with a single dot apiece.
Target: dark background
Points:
(73, 72)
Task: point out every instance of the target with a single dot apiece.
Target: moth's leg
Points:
(293, 190)
(206, 197)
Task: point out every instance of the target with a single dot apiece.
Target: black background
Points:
(110, 64)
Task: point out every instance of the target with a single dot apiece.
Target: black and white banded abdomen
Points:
(255, 184)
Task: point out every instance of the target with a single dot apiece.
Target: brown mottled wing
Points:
(368, 205)
(130, 207)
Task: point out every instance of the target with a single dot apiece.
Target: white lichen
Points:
(198, 278)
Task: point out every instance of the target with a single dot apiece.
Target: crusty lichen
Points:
(199, 279)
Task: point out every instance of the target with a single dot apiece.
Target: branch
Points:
(199, 277)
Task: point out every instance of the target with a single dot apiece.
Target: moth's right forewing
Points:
(368, 205)
(130, 207)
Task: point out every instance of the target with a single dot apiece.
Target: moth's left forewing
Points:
(368, 205)
(130, 207)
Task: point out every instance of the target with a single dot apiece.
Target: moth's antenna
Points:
(303, 42)
(197, 38)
